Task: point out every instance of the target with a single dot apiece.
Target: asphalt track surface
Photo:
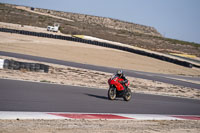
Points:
(42, 97)
(144, 75)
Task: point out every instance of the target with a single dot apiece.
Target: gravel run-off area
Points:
(98, 126)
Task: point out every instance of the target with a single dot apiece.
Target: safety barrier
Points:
(103, 44)
(1, 63)
(16, 65)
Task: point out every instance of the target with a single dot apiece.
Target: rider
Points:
(120, 74)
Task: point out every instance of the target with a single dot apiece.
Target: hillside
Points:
(105, 28)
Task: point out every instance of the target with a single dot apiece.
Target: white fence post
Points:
(1, 63)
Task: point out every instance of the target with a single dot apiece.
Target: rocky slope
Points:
(104, 22)
(105, 28)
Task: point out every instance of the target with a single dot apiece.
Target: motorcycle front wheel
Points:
(127, 95)
(112, 93)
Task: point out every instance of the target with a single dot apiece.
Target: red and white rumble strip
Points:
(9, 115)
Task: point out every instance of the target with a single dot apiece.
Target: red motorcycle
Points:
(116, 89)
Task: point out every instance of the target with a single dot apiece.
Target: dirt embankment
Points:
(109, 29)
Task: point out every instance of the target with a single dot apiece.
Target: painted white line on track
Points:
(9, 115)
(150, 117)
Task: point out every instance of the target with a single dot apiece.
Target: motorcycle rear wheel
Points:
(127, 95)
(112, 93)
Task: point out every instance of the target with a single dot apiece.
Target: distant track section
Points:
(103, 44)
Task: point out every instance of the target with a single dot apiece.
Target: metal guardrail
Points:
(103, 44)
